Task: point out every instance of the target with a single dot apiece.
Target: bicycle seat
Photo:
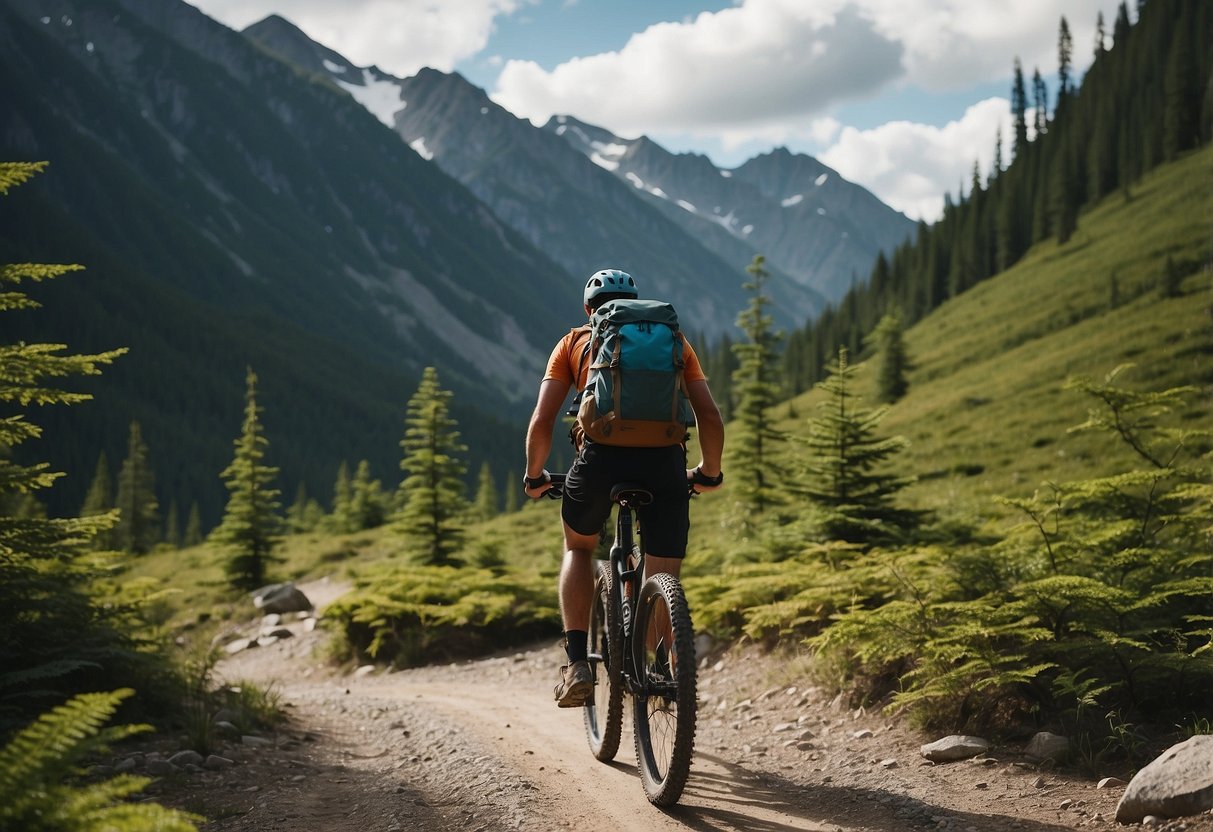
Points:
(632, 494)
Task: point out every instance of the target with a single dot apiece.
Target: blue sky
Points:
(901, 96)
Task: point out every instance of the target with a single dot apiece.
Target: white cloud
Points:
(770, 70)
(910, 166)
(400, 36)
(746, 70)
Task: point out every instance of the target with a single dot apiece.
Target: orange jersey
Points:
(570, 360)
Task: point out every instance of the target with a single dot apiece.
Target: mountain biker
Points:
(598, 467)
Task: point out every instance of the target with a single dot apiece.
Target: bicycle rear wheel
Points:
(663, 712)
(604, 712)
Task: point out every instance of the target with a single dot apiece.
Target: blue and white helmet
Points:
(609, 281)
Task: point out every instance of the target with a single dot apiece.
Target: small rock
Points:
(804, 734)
(239, 644)
(365, 670)
(862, 735)
(125, 766)
(719, 666)
(278, 632)
(215, 763)
(1110, 783)
(266, 641)
(1038, 783)
(186, 758)
(888, 763)
(160, 768)
(255, 742)
(954, 747)
(1151, 820)
(981, 785)
(271, 620)
(284, 597)
(1046, 746)
(309, 624)
(227, 727)
(1065, 804)
(225, 715)
(703, 644)
(783, 726)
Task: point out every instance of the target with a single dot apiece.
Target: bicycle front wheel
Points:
(663, 715)
(604, 713)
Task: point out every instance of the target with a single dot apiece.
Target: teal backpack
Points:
(635, 393)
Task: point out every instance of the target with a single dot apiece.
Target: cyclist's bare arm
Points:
(710, 427)
(539, 433)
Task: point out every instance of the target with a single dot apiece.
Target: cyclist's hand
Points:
(536, 488)
(700, 482)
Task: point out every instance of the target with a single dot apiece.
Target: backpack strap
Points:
(582, 355)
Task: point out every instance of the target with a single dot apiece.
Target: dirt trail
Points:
(481, 746)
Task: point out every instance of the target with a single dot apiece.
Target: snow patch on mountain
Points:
(335, 68)
(603, 162)
(686, 206)
(795, 199)
(821, 180)
(381, 97)
(727, 174)
(418, 144)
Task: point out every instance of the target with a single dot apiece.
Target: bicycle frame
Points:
(630, 577)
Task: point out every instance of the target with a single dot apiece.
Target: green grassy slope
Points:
(987, 413)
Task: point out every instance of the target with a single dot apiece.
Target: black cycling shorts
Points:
(663, 523)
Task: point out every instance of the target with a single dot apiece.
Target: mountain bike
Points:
(641, 643)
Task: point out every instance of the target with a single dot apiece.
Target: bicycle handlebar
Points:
(557, 481)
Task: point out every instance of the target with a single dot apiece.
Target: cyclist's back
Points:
(599, 466)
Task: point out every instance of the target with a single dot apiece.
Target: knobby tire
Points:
(604, 712)
(664, 725)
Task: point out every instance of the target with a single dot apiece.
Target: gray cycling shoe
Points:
(576, 685)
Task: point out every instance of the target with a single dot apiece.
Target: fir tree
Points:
(1101, 36)
(1065, 52)
(1181, 118)
(138, 528)
(1019, 107)
(755, 392)
(100, 500)
(343, 494)
(296, 515)
(432, 491)
(486, 505)
(368, 504)
(853, 500)
(894, 363)
(193, 527)
(55, 633)
(250, 527)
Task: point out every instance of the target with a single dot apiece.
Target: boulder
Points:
(1046, 746)
(280, 598)
(1176, 784)
(215, 763)
(954, 747)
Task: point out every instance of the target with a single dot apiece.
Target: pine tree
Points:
(343, 494)
(193, 527)
(138, 528)
(852, 499)
(368, 504)
(887, 338)
(296, 515)
(432, 491)
(756, 392)
(487, 501)
(55, 633)
(1065, 52)
(1181, 118)
(250, 527)
(1101, 36)
(100, 500)
(1019, 107)
(1040, 101)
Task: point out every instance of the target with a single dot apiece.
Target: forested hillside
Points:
(231, 212)
(1146, 99)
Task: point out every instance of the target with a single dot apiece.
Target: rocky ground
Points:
(481, 746)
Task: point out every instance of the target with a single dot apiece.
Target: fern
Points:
(40, 766)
